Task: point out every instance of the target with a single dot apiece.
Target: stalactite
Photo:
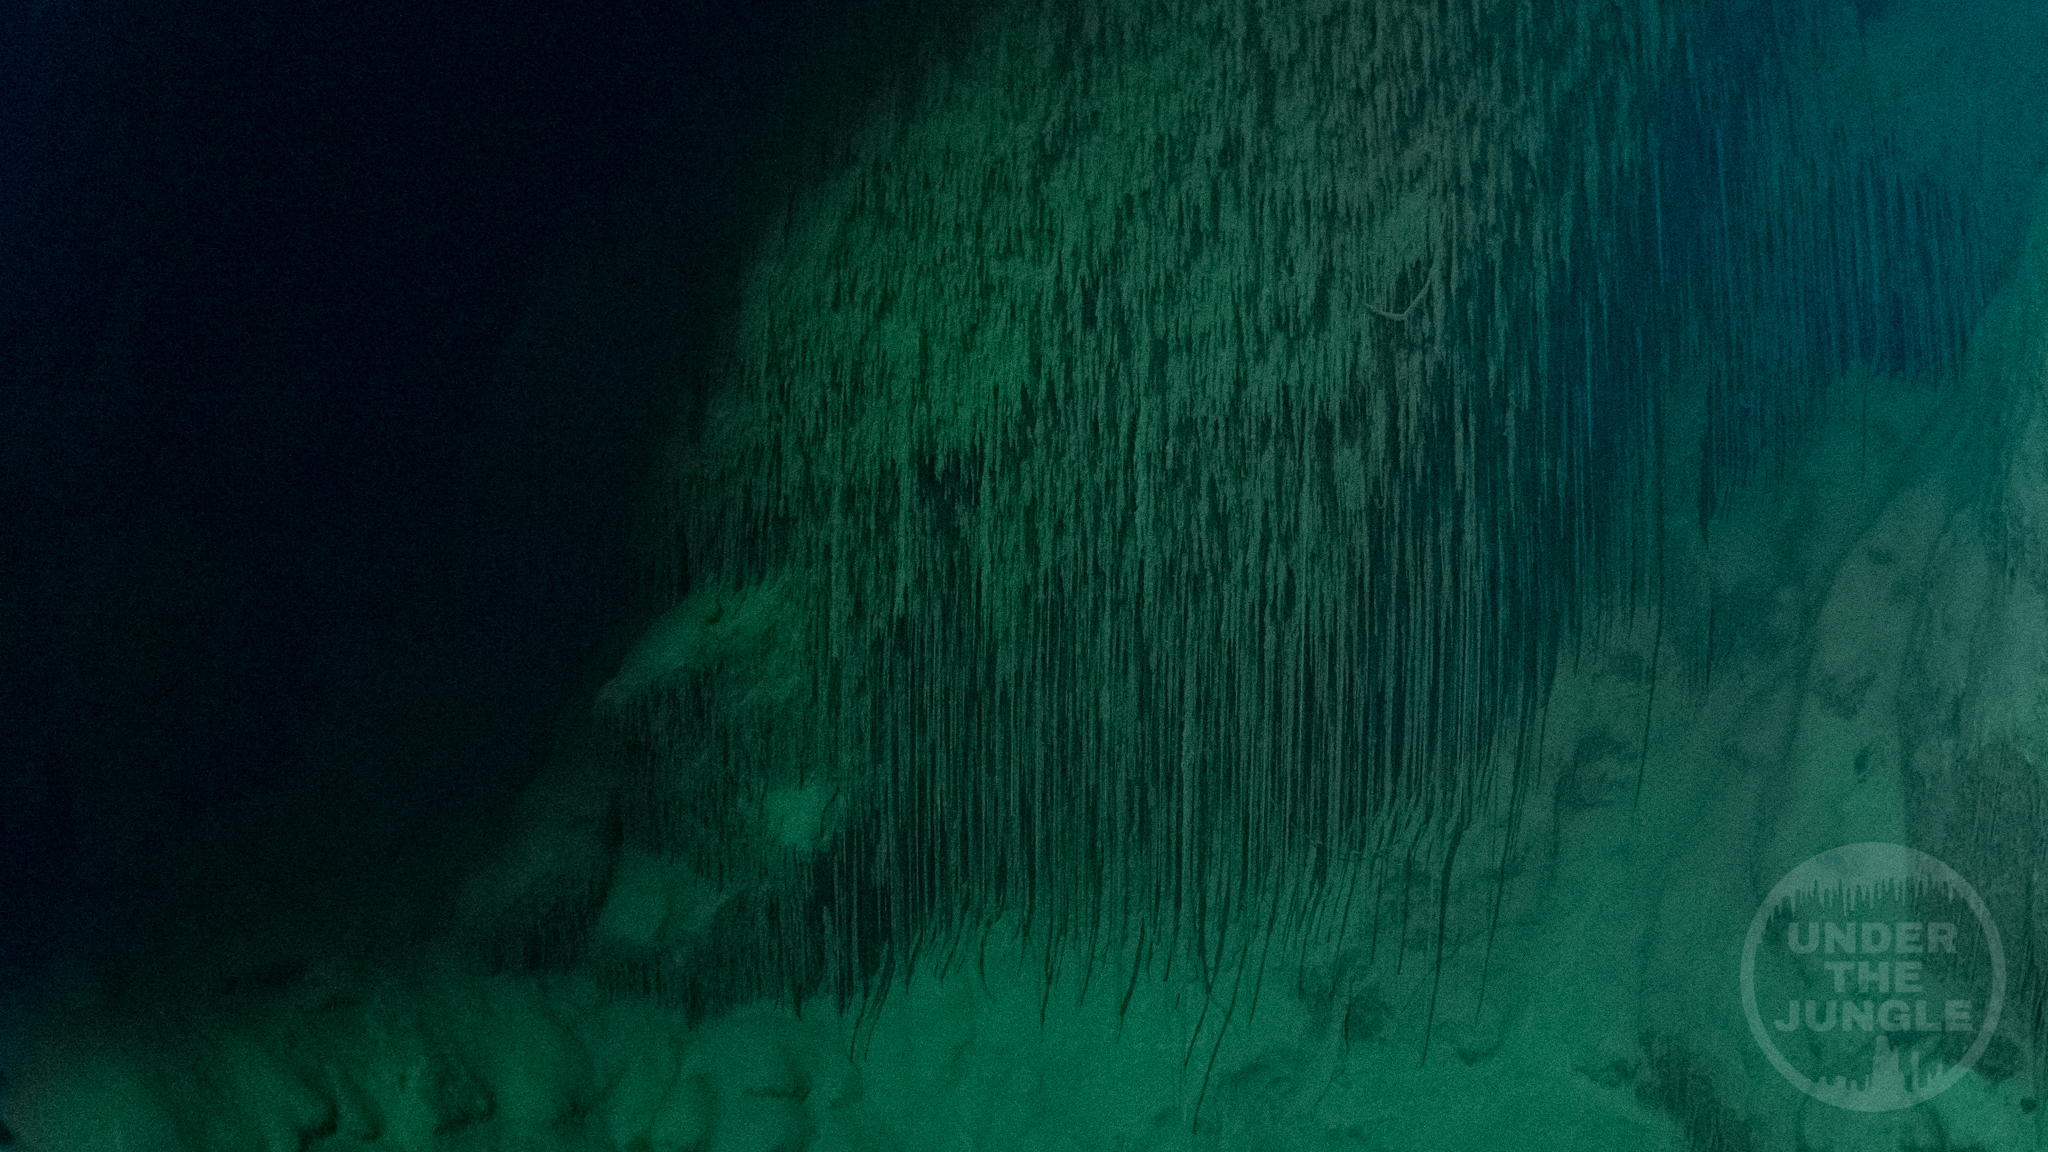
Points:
(1184, 444)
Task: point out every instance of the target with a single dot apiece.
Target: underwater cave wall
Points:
(1176, 443)
(1472, 492)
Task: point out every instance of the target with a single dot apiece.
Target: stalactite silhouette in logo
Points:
(1878, 933)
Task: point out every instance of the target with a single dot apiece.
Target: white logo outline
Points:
(1870, 859)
